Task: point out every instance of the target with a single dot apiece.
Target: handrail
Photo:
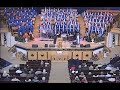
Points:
(9, 50)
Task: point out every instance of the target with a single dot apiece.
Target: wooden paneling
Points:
(42, 55)
(32, 55)
(59, 55)
(87, 55)
(77, 54)
(50, 54)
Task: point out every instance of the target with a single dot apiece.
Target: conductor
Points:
(55, 39)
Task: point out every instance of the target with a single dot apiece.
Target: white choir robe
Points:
(78, 39)
(102, 30)
(63, 27)
(55, 29)
(89, 29)
(95, 29)
(78, 27)
(59, 28)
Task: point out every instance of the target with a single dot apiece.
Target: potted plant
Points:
(95, 57)
(105, 51)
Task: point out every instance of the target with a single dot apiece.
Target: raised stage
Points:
(55, 53)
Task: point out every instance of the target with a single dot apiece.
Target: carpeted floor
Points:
(4, 63)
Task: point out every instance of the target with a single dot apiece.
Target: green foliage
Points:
(95, 57)
(19, 38)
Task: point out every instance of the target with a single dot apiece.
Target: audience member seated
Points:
(15, 79)
(28, 80)
(33, 71)
(95, 73)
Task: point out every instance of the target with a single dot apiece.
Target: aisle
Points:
(59, 72)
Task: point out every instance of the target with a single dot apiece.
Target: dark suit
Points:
(55, 39)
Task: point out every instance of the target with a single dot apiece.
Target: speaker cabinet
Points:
(46, 45)
(73, 46)
(81, 45)
(34, 45)
(87, 45)
(52, 45)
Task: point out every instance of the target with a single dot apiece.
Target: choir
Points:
(97, 22)
(58, 21)
(20, 18)
(65, 21)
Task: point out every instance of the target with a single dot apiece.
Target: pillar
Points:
(109, 40)
(116, 39)
(119, 39)
(2, 38)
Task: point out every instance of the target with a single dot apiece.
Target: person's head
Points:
(4, 72)
(44, 70)
(89, 73)
(110, 58)
(31, 69)
(82, 73)
(91, 66)
(100, 81)
(16, 66)
(43, 78)
(93, 81)
(101, 73)
(85, 66)
(79, 66)
(35, 77)
(27, 78)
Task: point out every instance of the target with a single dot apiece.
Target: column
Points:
(2, 38)
(116, 39)
(109, 40)
(119, 39)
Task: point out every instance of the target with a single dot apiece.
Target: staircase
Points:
(36, 27)
(82, 25)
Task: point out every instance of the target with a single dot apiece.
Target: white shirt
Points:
(108, 68)
(15, 79)
(18, 71)
(108, 75)
(111, 79)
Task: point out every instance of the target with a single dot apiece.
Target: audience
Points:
(95, 73)
(29, 72)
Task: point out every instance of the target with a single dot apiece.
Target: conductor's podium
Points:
(59, 42)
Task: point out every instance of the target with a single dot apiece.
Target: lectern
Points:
(59, 42)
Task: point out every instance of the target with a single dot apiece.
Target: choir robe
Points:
(27, 28)
(31, 28)
(19, 30)
(57, 28)
(22, 29)
(69, 28)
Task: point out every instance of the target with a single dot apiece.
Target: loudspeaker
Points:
(73, 46)
(34, 45)
(87, 45)
(51, 45)
(81, 45)
(46, 45)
